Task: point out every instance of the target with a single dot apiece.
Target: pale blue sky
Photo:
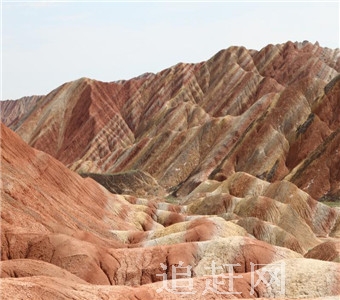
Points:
(45, 44)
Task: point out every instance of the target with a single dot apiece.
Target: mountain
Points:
(109, 187)
(272, 113)
(68, 237)
(13, 112)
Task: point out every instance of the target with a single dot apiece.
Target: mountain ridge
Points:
(107, 188)
(66, 236)
(121, 126)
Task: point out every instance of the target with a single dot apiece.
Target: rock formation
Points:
(272, 113)
(107, 188)
(13, 112)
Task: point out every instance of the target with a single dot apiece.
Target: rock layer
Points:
(57, 225)
(271, 113)
(217, 164)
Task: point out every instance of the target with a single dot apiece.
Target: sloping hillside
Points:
(272, 113)
(212, 170)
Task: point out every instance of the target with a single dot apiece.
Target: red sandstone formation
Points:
(108, 187)
(272, 113)
(13, 112)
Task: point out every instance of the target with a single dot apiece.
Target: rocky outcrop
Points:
(323, 287)
(211, 169)
(40, 194)
(298, 218)
(62, 232)
(271, 113)
(14, 112)
(17, 268)
(135, 183)
(328, 251)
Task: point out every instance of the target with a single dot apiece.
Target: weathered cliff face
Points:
(67, 236)
(272, 113)
(14, 112)
(107, 187)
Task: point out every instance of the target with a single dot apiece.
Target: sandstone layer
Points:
(272, 113)
(107, 188)
(68, 237)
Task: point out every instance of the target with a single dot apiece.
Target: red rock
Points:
(13, 111)
(328, 251)
(220, 161)
(261, 112)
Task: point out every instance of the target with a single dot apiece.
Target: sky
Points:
(47, 43)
